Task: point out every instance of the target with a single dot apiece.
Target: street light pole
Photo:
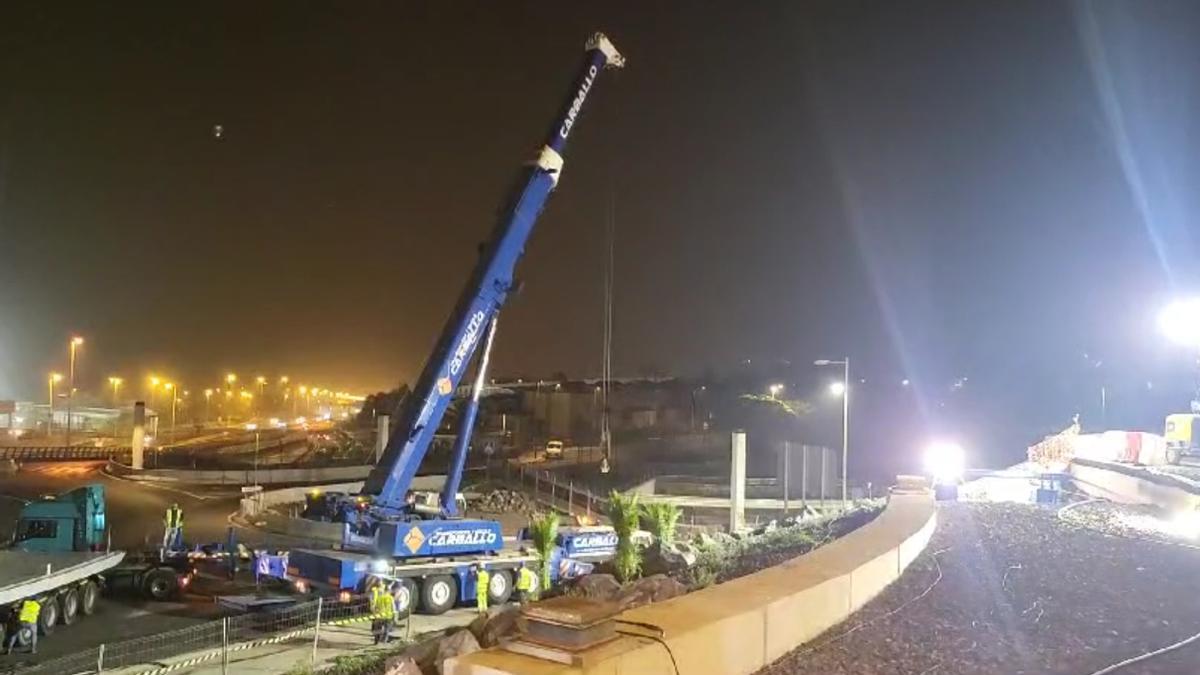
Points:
(845, 431)
(254, 427)
(116, 383)
(54, 377)
(845, 363)
(72, 347)
(174, 400)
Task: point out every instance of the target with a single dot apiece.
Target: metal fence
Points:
(559, 494)
(30, 453)
(211, 642)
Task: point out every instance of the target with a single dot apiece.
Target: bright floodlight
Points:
(837, 388)
(945, 462)
(1180, 321)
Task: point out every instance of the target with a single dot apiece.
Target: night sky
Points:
(940, 190)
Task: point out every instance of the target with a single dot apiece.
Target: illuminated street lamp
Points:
(304, 391)
(842, 389)
(115, 383)
(54, 378)
(72, 348)
(154, 382)
(775, 389)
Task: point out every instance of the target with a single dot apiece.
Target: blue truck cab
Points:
(74, 521)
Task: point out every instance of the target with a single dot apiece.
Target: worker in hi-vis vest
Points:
(173, 527)
(383, 609)
(525, 582)
(482, 582)
(27, 620)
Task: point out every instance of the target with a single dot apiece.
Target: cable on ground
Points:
(893, 611)
(657, 638)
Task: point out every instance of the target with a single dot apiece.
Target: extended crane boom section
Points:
(481, 299)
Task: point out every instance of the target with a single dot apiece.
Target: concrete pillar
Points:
(382, 429)
(139, 434)
(737, 482)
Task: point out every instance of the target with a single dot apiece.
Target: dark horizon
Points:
(938, 190)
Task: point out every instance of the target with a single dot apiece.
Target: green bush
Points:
(661, 518)
(623, 512)
(544, 530)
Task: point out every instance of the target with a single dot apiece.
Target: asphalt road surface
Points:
(135, 517)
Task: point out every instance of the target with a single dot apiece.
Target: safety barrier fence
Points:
(557, 493)
(62, 452)
(211, 642)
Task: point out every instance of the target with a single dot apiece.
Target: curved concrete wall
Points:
(1134, 485)
(266, 475)
(745, 624)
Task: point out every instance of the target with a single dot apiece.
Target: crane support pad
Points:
(423, 538)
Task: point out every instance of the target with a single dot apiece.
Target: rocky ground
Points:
(1015, 589)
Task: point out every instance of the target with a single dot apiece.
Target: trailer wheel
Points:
(88, 594)
(438, 594)
(500, 587)
(406, 593)
(48, 616)
(68, 607)
(160, 584)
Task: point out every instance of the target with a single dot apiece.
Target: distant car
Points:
(554, 448)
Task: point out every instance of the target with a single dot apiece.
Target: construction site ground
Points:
(1013, 589)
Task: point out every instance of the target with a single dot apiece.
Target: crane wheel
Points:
(406, 597)
(438, 594)
(500, 587)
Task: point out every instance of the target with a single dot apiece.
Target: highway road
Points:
(135, 514)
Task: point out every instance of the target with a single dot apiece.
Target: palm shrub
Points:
(543, 528)
(660, 519)
(623, 512)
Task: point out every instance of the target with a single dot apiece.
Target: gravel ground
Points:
(1006, 588)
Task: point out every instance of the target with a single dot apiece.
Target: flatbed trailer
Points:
(58, 558)
(66, 584)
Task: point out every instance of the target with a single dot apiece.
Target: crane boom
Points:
(481, 299)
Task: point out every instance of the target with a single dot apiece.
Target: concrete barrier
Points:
(295, 495)
(745, 624)
(256, 509)
(1129, 484)
(265, 475)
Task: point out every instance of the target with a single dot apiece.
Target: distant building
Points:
(572, 409)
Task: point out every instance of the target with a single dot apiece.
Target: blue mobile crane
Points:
(383, 519)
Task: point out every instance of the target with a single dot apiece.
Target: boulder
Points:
(498, 623)
(459, 643)
(654, 588)
(659, 559)
(401, 665)
(598, 587)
